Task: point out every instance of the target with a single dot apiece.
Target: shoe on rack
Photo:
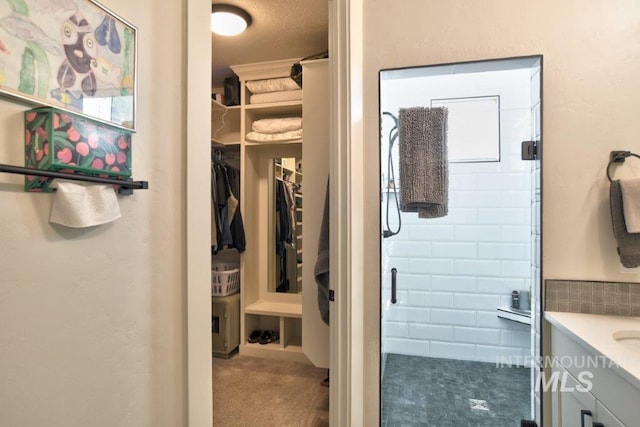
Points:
(255, 336)
(269, 336)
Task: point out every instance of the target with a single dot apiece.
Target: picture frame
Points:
(75, 55)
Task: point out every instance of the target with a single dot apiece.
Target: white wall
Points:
(93, 322)
(454, 272)
(591, 54)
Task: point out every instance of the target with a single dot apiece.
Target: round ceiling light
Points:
(228, 20)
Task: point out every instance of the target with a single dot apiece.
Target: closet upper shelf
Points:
(275, 109)
(216, 104)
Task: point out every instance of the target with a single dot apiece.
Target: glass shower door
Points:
(455, 348)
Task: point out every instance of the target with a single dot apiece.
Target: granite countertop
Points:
(594, 332)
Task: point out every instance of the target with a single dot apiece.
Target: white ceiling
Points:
(280, 29)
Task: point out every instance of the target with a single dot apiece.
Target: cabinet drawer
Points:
(609, 387)
(605, 417)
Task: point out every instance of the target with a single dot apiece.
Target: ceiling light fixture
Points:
(228, 20)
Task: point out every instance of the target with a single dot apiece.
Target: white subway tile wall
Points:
(454, 272)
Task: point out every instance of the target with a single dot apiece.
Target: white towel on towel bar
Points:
(79, 204)
(631, 204)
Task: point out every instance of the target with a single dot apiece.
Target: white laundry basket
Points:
(225, 279)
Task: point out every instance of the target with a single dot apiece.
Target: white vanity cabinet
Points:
(586, 389)
(573, 407)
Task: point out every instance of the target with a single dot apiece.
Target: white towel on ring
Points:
(631, 204)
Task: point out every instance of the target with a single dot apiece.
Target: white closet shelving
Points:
(261, 309)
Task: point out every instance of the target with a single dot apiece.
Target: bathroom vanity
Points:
(593, 373)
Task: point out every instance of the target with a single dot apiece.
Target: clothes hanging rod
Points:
(126, 187)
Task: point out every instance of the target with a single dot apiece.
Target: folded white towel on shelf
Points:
(277, 125)
(286, 95)
(272, 85)
(631, 204)
(78, 204)
(282, 136)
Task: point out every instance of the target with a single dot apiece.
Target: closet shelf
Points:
(276, 109)
(225, 143)
(294, 141)
(271, 308)
(293, 344)
(216, 104)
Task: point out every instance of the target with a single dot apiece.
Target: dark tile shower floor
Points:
(424, 391)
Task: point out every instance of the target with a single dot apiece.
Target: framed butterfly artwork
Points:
(75, 55)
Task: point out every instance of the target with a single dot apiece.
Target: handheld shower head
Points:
(393, 135)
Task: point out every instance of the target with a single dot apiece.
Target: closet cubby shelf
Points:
(291, 352)
(294, 344)
(272, 308)
(270, 143)
(276, 108)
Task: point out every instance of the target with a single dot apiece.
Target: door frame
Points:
(198, 400)
(346, 170)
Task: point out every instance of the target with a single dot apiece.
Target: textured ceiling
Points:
(280, 29)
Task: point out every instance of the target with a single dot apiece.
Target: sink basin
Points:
(628, 338)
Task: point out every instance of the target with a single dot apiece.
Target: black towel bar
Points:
(618, 157)
(126, 187)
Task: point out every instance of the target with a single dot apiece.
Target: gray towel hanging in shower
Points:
(424, 169)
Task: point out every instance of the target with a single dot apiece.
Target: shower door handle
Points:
(394, 272)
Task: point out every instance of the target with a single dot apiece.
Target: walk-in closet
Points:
(269, 174)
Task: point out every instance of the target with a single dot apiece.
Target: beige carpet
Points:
(251, 391)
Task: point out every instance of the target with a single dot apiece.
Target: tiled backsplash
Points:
(575, 296)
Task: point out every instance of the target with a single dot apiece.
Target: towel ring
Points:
(618, 157)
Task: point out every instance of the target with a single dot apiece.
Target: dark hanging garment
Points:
(321, 270)
(237, 227)
(223, 188)
(215, 220)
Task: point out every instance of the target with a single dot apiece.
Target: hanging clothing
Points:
(237, 226)
(227, 228)
(321, 270)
